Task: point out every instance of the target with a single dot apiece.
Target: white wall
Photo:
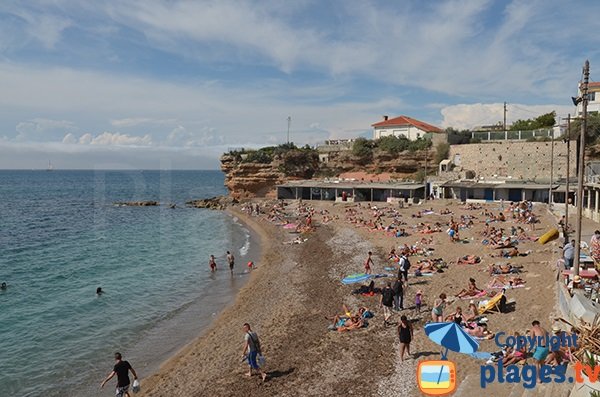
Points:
(410, 132)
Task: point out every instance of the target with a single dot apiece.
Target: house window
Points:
(418, 135)
(591, 96)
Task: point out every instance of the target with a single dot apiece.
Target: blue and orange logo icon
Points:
(436, 377)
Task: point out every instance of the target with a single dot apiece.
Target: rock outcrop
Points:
(246, 180)
(213, 203)
(137, 203)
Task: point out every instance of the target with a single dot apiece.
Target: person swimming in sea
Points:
(212, 263)
(3, 286)
(99, 291)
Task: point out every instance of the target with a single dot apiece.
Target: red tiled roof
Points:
(405, 120)
(595, 84)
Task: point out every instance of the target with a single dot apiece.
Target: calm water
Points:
(61, 237)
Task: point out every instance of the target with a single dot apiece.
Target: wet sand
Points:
(296, 288)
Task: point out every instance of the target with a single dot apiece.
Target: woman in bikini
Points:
(471, 290)
(457, 316)
(472, 313)
(437, 312)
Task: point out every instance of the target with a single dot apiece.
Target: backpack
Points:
(256, 343)
(406, 263)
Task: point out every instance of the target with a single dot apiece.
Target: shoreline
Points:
(258, 235)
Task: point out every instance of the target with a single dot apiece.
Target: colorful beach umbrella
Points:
(451, 336)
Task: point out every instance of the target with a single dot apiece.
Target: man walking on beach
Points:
(387, 301)
(398, 295)
(121, 369)
(231, 260)
(569, 254)
(253, 350)
(404, 266)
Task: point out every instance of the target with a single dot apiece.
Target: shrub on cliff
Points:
(363, 148)
(441, 152)
(258, 156)
(393, 144)
(419, 144)
(302, 163)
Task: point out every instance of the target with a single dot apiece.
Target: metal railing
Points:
(511, 135)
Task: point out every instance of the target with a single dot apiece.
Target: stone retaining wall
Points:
(520, 160)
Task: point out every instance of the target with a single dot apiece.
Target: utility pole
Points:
(426, 195)
(584, 103)
(504, 117)
(551, 170)
(566, 227)
(289, 120)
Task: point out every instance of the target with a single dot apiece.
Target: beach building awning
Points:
(563, 188)
(352, 185)
(500, 185)
(525, 186)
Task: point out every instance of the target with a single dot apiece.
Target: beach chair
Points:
(492, 304)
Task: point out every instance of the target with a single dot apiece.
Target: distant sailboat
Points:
(50, 166)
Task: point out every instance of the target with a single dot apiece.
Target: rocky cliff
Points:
(246, 178)
(250, 179)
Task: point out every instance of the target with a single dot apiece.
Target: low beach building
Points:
(348, 190)
(495, 190)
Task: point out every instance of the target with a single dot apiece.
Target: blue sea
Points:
(61, 237)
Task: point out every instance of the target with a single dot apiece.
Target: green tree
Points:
(544, 121)
(362, 147)
(456, 137)
(419, 144)
(442, 150)
(393, 144)
(593, 128)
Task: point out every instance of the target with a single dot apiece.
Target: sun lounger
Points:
(492, 304)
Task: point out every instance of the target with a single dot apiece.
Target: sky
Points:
(172, 84)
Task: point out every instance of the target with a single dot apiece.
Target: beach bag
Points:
(260, 359)
(136, 386)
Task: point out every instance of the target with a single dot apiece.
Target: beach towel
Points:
(355, 278)
(290, 226)
(508, 286)
(481, 355)
(480, 294)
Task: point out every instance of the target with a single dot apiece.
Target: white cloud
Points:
(42, 128)
(467, 116)
(451, 47)
(137, 121)
(45, 27)
(69, 139)
(115, 139)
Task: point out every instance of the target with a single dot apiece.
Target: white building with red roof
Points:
(593, 99)
(408, 127)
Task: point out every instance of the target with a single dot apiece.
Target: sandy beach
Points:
(296, 290)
